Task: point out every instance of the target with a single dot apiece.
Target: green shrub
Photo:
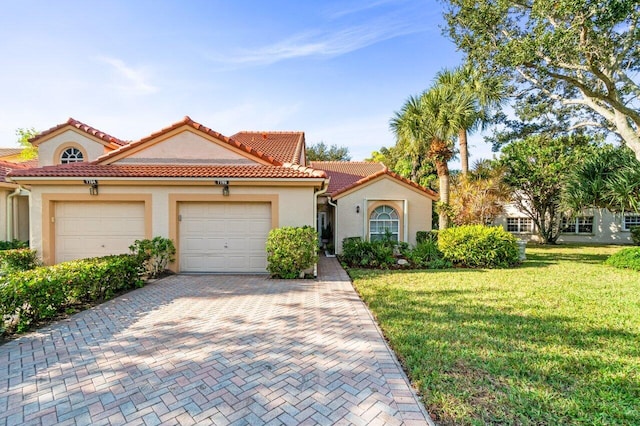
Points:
(12, 245)
(27, 297)
(478, 246)
(291, 250)
(17, 260)
(155, 254)
(357, 253)
(423, 236)
(426, 255)
(635, 235)
(628, 258)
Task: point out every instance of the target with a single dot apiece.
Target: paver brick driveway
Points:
(211, 350)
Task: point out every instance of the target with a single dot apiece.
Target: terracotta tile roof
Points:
(8, 152)
(188, 121)
(346, 175)
(169, 171)
(8, 166)
(285, 147)
(80, 126)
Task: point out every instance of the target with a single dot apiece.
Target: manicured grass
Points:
(554, 341)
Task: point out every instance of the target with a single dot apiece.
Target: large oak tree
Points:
(581, 55)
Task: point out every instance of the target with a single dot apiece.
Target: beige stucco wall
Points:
(385, 190)
(48, 149)
(295, 205)
(607, 228)
(187, 146)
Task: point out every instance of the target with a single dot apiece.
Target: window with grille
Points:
(631, 220)
(71, 155)
(577, 225)
(519, 225)
(384, 221)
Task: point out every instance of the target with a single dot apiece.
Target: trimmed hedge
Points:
(291, 250)
(17, 260)
(635, 235)
(479, 246)
(628, 258)
(27, 297)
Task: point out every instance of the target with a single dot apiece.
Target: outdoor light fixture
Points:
(225, 190)
(358, 209)
(93, 186)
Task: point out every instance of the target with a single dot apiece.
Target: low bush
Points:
(291, 250)
(635, 235)
(478, 246)
(155, 255)
(17, 260)
(628, 258)
(426, 255)
(42, 293)
(12, 245)
(423, 236)
(357, 253)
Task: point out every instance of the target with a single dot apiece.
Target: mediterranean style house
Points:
(216, 197)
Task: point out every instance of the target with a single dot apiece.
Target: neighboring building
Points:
(215, 196)
(591, 226)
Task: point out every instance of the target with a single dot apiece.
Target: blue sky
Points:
(335, 69)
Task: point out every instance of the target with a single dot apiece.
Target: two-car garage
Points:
(225, 237)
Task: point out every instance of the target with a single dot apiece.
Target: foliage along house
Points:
(216, 197)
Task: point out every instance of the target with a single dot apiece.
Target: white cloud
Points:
(323, 43)
(130, 80)
(350, 10)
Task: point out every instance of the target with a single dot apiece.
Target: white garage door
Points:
(224, 237)
(89, 229)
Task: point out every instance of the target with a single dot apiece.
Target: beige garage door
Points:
(88, 229)
(224, 237)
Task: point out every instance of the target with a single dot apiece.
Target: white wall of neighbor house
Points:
(607, 227)
(295, 204)
(416, 218)
(48, 150)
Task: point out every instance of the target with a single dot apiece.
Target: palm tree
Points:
(427, 125)
(485, 91)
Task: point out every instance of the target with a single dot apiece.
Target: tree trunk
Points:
(464, 151)
(443, 179)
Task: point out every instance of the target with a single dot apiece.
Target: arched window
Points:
(384, 221)
(71, 155)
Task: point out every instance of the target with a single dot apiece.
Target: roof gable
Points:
(186, 146)
(82, 128)
(192, 135)
(348, 176)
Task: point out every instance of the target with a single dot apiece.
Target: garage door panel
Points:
(89, 229)
(235, 235)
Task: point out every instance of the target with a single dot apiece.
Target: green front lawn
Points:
(554, 341)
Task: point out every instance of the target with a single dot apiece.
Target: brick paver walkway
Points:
(211, 350)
